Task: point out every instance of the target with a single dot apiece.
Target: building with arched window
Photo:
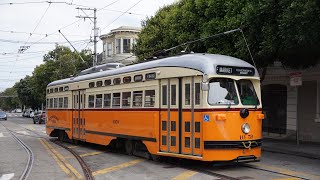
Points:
(117, 45)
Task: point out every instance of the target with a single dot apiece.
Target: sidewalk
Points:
(307, 150)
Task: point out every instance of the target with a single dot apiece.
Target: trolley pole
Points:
(95, 30)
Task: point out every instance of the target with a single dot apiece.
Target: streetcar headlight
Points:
(245, 128)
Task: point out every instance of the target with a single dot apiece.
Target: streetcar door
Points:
(191, 131)
(170, 116)
(78, 118)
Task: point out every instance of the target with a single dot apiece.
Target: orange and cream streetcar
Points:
(204, 107)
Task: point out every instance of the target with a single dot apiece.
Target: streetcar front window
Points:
(222, 91)
(247, 93)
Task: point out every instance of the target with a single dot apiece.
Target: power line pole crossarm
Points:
(95, 29)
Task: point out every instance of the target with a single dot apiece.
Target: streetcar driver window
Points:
(247, 93)
(222, 91)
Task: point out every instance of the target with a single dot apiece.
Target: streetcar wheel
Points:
(156, 158)
(129, 147)
(61, 136)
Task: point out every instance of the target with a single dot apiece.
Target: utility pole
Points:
(95, 29)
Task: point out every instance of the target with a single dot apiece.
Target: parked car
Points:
(18, 110)
(3, 115)
(32, 114)
(27, 113)
(39, 117)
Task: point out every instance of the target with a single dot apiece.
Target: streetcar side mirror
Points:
(205, 86)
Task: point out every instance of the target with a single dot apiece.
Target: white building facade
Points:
(118, 44)
(292, 109)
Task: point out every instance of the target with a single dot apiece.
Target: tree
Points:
(9, 99)
(285, 31)
(59, 63)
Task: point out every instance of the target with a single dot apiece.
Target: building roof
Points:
(122, 29)
(205, 63)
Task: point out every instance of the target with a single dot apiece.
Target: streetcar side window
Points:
(91, 101)
(60, 102)
(116, 81)
(149, 98)
(126, 99)
(60, 89)
(164, 95)
(116, 100)
(55, 89)
(127, 79)
(107, 101)
(55, 103)
(173, 95)
(91, 84)
(51, 103)
(48, 103)
(138, 78)
(197, 93)
(65, 102)
(187, 94)
(99, 101)
(99, 83)
(107, 82)
(137, 98)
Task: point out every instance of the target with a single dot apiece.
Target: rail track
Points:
(25, 174)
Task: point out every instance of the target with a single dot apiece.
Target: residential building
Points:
(117, 45)
(291, 103)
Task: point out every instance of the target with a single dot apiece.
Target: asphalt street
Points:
(53, 162)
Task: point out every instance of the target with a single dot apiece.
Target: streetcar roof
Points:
(205, 63)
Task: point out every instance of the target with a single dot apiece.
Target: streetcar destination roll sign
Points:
(233, 70)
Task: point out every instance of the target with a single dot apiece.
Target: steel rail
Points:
(86, 170)
(29, 165)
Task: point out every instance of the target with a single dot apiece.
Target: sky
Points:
(35, 23)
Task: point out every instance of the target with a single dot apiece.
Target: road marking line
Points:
(286, 179)
(22, 132)
(185, 175)
(71, 147)
(7, 176)
(1, 135)
(74, 171)
(117, 167)
(63, 167)
(287, 171)
(31, 128)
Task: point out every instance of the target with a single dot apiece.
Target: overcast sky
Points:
(22, 17)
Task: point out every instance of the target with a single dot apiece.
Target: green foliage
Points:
(59, 63)
(9, 99)
(285, 31)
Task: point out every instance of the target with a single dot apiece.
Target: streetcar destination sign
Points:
(233, 70)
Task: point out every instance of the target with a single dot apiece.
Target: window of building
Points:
(60, 89)
(116, 100)
(116, 81)
(149, 98)
(91, 84)
(65, 102)
(107, 82)
(137, 99)
(107, 101)
(173, 95)
(99, 100)
(55, 103)
(99, 83)
(127, 79)
(138, 78)
(126, 99)
(109, 50)
(197, 93)
(126, 46)
(150, 76)
(60, 102)
(91, 101)
(187, 94)
(118, 44)
(164, 95)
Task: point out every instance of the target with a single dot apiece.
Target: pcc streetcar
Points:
(197, 106)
